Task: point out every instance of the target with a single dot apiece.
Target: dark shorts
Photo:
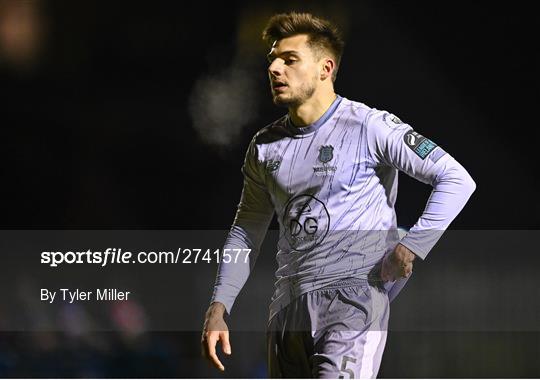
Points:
(335, 332)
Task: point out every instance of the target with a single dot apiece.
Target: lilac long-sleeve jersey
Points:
(333, 186)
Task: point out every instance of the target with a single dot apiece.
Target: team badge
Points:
(326, 153)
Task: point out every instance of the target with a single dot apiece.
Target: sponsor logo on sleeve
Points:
(419, 144)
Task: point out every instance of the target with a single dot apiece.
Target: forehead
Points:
(297, 43)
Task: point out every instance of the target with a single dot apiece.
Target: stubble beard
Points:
(297, 98)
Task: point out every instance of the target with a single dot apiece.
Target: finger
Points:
(204, 345)
(203, 349)
(385, 273)
(211, 350)
(407, 270)
(225, 344)
(393, 273)
(388, 277)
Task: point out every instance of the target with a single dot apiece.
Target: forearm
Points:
(232, 274)
(451, 191)
(253, 216)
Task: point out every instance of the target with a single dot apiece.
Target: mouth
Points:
(279, 86)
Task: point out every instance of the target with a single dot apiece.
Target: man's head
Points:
(304, 56)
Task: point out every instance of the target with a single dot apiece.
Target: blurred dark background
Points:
(136, 115)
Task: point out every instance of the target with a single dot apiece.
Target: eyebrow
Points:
(271, 55)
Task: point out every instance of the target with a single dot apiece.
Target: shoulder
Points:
(354, 111)
(265, 136)
(371, 118)
(271, 132)
(380, 122)
(382, 129)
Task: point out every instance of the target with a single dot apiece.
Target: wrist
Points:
(404, 250)
(216, 309)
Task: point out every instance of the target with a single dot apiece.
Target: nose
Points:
(276, 68)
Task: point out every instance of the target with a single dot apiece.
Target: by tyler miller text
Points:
(78, 295)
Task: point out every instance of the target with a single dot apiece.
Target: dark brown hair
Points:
(322, 35)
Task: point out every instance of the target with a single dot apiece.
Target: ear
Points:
(327, 68)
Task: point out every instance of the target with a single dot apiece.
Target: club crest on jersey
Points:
(326, 153)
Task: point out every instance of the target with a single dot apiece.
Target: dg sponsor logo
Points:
(306, 221)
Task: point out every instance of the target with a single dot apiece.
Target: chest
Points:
(331, 162)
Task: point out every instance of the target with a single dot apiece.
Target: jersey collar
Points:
(316, 125)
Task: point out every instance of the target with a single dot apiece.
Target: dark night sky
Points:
(98, 135)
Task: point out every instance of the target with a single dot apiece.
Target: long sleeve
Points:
(396, 144)
(253, 215)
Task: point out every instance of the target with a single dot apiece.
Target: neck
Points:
(312, 109)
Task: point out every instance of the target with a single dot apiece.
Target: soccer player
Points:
(329, 170)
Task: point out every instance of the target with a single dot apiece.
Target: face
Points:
(294, 71)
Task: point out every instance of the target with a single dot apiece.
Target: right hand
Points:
(215, 329)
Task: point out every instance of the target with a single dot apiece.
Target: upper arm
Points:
(394, 143)
(255, 208)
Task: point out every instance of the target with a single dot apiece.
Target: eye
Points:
(290, 61)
